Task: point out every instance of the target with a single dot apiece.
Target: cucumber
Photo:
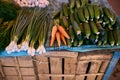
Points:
(80, 42)
(71, 11)
(116, 36)
(100, 29)
(101, 13)
(75, 43)
(111, 38)
(81, 15)
(61, 14)
(94, 28)
(113, 19)
(93, 38)
(91, 11)
(77, 3)
(96, 12)
(71, 33)
(105, 37)
(107, 13)
(71, 18)
(65, 9)
(86, 13)
(81, 27)
(83, 2)
(76, 28)
(76, 16)
(65, 22)
(87, 30)
(69, 43)
(72, 3)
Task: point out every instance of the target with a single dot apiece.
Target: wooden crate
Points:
(92, 65)
(59, 65)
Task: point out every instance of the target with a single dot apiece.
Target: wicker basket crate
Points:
(56, 66)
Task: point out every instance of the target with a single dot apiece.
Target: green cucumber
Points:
(94, 28)
(87, 30)
(81, 15)
(76, 28)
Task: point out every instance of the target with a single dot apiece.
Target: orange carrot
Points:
(52, 40)
(58, 38)
(54, 30)
(63, 39)
(63, 32)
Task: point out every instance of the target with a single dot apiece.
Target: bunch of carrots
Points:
(58, 33)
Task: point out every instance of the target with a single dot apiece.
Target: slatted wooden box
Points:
(56, 66)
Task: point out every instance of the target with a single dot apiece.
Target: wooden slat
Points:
(80, 77)
(104, 66)
(56, 78)
(94, 68)
(1, 70)
(56, 67)
(89, 75)
(70, 65)
(57, 75)
(8, 61)
(27, 71)
(18, 68)
(99, 77)
(25, 61)
(82, 67)
(69, 78)
(61, 54)
(42, 64)
(68, 75)
(9, 71)
(43, 77)
(29, 78)
(93, 56)
(11, 78)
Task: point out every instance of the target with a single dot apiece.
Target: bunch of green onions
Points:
(17, 31)
(30, 29)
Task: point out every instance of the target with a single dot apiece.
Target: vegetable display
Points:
(88, 24)
(25, 25)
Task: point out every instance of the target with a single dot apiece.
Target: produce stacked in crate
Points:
(87, 24)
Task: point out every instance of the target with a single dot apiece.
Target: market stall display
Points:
(77, 24)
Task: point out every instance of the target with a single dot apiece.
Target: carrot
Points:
(52, 40)
(54, 30)
(63, 32)
(58, 38)
(63, 39)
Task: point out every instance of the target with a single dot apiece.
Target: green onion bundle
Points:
(31, 27)
(22, 22)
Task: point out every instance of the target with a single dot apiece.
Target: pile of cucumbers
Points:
(88, 24)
